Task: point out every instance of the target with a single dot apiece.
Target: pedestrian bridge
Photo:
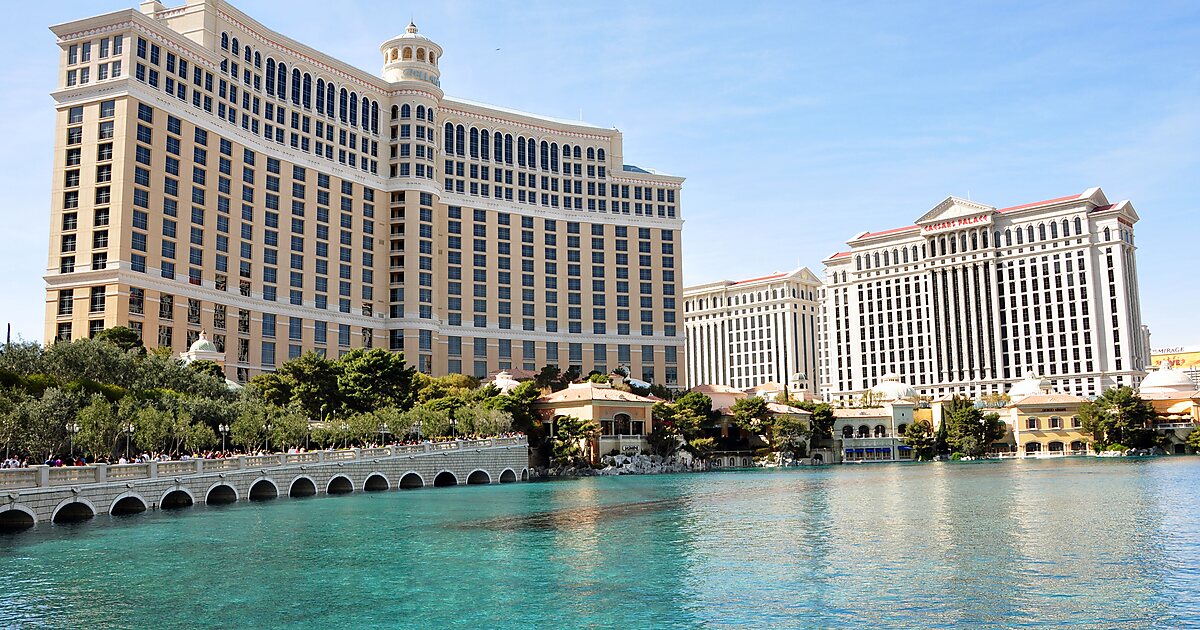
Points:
(41, 494)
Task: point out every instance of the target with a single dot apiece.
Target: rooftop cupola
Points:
(411, 57)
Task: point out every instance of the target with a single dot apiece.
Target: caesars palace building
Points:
(212, 175)
(972, 298)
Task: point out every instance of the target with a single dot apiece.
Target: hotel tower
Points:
(213, 175)
(973, 298)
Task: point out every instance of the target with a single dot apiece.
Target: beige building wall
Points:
(231, 180)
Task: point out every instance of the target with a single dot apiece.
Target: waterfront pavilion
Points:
(1176, 405)
(623, 418)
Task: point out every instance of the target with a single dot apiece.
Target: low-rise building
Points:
(875, 433)
(623, 419)
(1176, 403)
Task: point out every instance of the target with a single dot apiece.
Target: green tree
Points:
(698, 403)
(313, 383)
(44, 420)
(920, 437)
(550, 377)
(154, 429)
(790, 434)
(289, 428)
(375, 378)
(702, 448)
(122, 337)
(569, 435)
(971, 432)
(249, 428)
(427, 421)
(597, 377)
(1118, 416)
(98, 427)
(211, 368)
(518, 403)
(23, 357)
(1193, 440)
(751, 413)
(272, 388)
(822, 419)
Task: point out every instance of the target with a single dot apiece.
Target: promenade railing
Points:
(48, 476)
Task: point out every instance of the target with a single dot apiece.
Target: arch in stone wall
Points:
(174, 498)
(339, 484)
(411, 481)
(302, 486)
(128, 503)
(445, 478)
(220, 493)
(479, 477)
(73, 510)
(376, 482)
(508, 476)
(263, 489)
(16, 517)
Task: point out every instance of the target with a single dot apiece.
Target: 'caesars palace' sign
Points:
(979, 219)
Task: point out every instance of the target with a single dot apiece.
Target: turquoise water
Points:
(1048, 543)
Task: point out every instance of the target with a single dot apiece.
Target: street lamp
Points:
(129, 428)
(224, 429)
(383, 429)
(453, 431)
(345, 428)
(72, 429)
(267, 430)
(417, 425)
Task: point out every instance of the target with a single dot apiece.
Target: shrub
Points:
(956, 456)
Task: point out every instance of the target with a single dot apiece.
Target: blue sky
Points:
(797, 124)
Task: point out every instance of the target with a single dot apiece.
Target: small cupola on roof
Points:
(1166, 380)
(1031, 385)
(891, 387)
(411, 57)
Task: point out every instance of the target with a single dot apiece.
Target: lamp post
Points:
(453, 431)
(345, 428)
(72, 429)
(129, 428)
(224, 429)
(417, 424)
(383, 429)
(267, 430)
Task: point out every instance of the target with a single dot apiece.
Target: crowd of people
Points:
(143, 458)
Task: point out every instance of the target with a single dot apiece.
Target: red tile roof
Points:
(840, 255)
(1039, 203)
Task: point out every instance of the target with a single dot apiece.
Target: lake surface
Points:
(1083, 542)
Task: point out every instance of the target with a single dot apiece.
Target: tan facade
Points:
(233, 181)
(622, 419)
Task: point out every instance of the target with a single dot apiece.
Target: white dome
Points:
(203, 345)
(890, 387)
(504, 382)
(1166, 380)
(1031, 385)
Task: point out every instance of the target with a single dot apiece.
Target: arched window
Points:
(306, 91)
(235, 48)
(904, 254)
(520, 151)
(531, 145)
(962, 239)
(448, 139)
(900, 429)
(1029, 233)
(545, 160)
(1020, 236)
(985, 238)
(320, 96)
(591, 153)
(953, 245)
(880, 431)
(1107, 235)
(406, 111)
(257, 60)
(508, 148)
(914, 253)
(497, 147)
(485, 145)
(432, 58)
(1053, 230)
(554, 156)
(974, 241)
(344, 106)
(1008, 237)
(875, 261)
(281, 82)
(270, 76)
(864, 431)
(366, 113)
(1041, 231)
(599, 155)
(329, 99)
(1066, 228)
(460, 140)
(429, 114)
(420, 112)
(1078, 227)
(395, 112)
(940, 247)
(887, 259)
(247, 55)
(354, 109)
(847, 432)
(420, 54)
(224, 41)
(407, 54)
(375, 117)
(474, 142)
(576, 153)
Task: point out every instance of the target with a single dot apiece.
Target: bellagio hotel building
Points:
(212, 175)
